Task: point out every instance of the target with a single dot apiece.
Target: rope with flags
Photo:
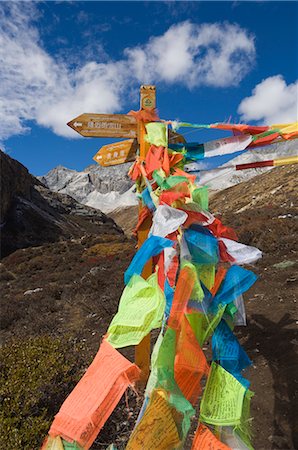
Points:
(193, 296)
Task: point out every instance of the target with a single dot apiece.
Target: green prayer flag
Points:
(157, 134)
(200, 196)
(152, 380)
(223, 397)
(197, 292)
(197, 322)
(141, 309)
(172, 181)
(166, 380)
(244, 429)
(159, 176)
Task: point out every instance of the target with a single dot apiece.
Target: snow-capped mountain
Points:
(105, 188)
(109, 188)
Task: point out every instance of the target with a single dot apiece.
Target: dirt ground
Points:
(80, 281)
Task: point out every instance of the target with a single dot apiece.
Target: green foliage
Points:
(36, 377)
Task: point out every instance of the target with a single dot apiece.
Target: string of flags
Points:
(253, 165)
(194, 295)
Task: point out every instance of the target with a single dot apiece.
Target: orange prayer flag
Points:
(175, 158)
(89, 405)
(240, 127)
(135, 172)
(169, 197)
(220, 230)
(290, 135)
(205, 440)
(145, 115)
(154, 159)
(219, 277)
(184, 287)
(166, 162)
(143, 214)
(180, 172)
(265, 140)
(159, 261)
(193, 217)
(190, 363)
(181, 187)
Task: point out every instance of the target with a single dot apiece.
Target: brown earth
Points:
(80, 281)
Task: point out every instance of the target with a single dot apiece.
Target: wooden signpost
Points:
(125, 126)
(105, 125)
(142, 351)
(117, 153)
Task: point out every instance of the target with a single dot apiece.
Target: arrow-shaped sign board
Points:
(105, 125)
(117, 153)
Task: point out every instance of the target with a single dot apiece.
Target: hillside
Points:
(264, 213)
(61, 278)
(32, 214)
(58, 299)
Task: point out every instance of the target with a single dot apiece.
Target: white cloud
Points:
(272, 101)
(217, 55)
(36, 86)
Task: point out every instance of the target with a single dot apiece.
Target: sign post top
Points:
(148, 97)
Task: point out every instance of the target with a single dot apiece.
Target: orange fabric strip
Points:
(175, 158)
(219, 277)
(184, 287)
(180, 172)
(205, 440)
(193, 217)
(92, 401)
(190, 363)
(220, 230)
(143, 214)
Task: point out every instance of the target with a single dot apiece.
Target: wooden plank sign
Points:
(105, 125)
(117, 153)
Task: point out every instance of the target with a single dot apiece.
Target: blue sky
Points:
(210, 61)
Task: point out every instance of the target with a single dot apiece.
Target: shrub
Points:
(36, 377)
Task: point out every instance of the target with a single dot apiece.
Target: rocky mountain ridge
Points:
(104, 188)
(109, 188)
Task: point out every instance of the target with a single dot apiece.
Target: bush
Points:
(36, 377)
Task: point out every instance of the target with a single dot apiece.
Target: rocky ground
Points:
(264, 213)
(58, 299)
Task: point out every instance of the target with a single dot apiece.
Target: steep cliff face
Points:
(31, 214)
(15, 180)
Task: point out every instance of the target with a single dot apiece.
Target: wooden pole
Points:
(142, 351)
